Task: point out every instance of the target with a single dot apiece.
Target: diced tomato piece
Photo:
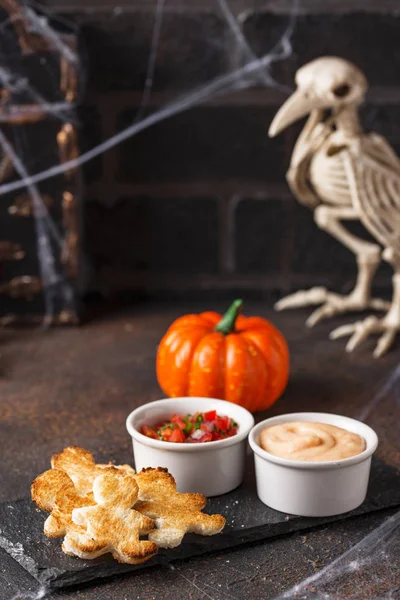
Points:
(149, 432)
(166, 434)
(218, 423)
(226, 422)
(179, 421)
(206, 437)
(210, 415)
(177, 435)
(209, 426)
(222, 423)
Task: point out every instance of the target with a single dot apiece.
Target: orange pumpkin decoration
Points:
(242, 360)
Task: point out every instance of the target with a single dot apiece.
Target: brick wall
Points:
(199, 201)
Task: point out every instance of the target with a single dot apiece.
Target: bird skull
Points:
(326, 82)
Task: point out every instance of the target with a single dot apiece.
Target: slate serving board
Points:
(248, 520)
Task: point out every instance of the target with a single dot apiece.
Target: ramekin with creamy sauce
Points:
(311, 441)
(312, 464)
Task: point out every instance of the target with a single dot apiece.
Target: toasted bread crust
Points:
(80, 465)
(55, 492)
(105, 509)
(174, 513)
(112, 525)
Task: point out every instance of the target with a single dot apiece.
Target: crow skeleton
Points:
(343, 173)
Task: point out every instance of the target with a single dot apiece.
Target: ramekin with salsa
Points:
(192, 429)
(209, 441)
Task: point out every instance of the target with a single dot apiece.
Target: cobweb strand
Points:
(220, 85)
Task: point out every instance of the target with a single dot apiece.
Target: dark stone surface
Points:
(76, 386)
(354, 36)
(248, 520)
(258, 235)
(192, 49)
(155, 235)
(206, 143)
(14, 579)
(258, 570)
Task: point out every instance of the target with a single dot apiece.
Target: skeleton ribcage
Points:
(374, 173)
(328, 176)
(363, 173)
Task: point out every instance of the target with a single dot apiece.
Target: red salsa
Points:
(192, 429)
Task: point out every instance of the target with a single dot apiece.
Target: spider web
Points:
(371, 568)
(30, 95)
(245, 70)
(368, 570)
(373, 564)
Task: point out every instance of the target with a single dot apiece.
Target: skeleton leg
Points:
(368, 258)
(389, 326)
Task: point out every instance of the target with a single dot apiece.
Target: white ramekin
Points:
(313, 489)
(211, 468)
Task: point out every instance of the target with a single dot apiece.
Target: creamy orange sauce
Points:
(315, 442)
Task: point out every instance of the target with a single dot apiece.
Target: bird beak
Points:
(295, 107)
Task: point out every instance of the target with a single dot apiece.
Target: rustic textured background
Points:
(199, 201)
(38, 89)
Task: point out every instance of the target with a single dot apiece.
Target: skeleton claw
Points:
(323, 312)
(332, 304)
(343, 330)
(361, 330)
(378, 304)
(384, 343)
(302, 298)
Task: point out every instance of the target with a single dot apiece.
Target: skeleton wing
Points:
(373, 171)
(311, 138)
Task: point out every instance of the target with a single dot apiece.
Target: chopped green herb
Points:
(181, 428)
(166, 426)
(188, 427)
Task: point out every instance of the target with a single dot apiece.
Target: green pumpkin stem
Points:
(228, 321)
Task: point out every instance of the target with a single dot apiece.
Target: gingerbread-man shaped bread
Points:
(80, 465)
(112, 525)
(54, 491)
(174, 513)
